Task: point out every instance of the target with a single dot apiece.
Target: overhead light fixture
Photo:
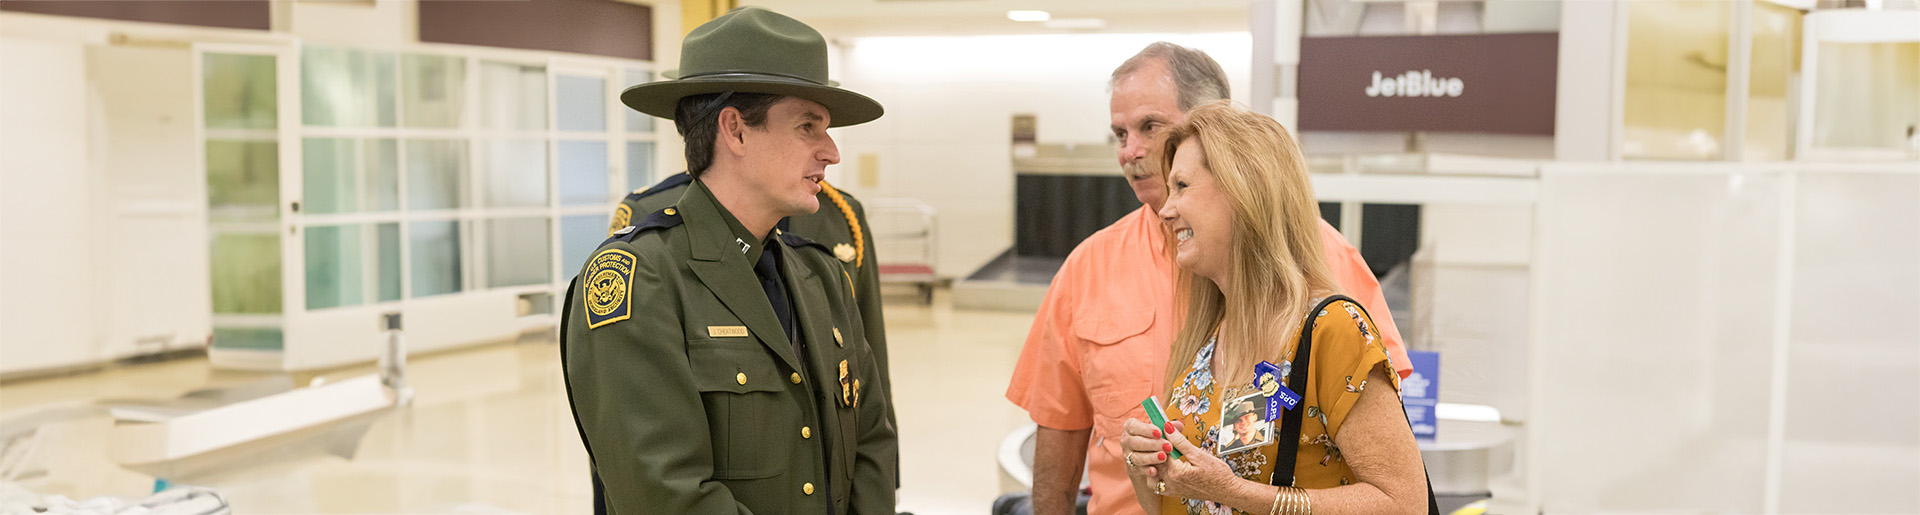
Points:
(1029, 15)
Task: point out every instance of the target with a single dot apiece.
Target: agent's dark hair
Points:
(698, 120)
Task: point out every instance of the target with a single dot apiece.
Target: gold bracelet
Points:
(1298, 503)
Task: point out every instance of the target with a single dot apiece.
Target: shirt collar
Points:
(739, 231)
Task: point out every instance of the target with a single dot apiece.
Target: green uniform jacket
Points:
(687, 393)
(828, 226)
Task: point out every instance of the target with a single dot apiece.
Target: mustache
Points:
(1135, 169)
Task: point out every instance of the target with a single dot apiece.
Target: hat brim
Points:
(660, 98)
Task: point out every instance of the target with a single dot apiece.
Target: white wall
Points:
(949, 100)
(1657, 368)
(49, 302)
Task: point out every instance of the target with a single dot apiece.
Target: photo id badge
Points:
(1244, 425)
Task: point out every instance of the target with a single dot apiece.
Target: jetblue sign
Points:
(1484, 83)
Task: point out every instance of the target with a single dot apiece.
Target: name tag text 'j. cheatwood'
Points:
(727, 331)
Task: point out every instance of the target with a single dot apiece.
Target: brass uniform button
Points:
(670, 211)
(807, 488)
(795, 378)
(742, 378)
(806, 432)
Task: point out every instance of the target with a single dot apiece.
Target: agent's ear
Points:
(733, 132)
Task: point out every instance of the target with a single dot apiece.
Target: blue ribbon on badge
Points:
(1267, 377)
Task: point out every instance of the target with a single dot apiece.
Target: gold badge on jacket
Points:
(844, 252)
(846, 385)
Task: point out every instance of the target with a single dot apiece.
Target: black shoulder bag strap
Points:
(1290, 422)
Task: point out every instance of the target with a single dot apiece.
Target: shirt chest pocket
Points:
(748, 407)
(1118, 366)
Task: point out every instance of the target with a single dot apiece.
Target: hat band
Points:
(748, 74)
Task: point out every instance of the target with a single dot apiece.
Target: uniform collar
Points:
(716, 232)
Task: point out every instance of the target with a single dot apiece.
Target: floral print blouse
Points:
(1345, 349)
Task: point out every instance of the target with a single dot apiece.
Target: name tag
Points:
(727, 331)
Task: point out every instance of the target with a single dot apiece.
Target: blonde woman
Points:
(1243, 215)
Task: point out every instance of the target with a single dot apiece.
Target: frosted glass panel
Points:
(334, 267)
(248, 338)
(582, 103)
(640, 164)
(240, 91)
(513, 97)
(434, 89)
(579, 235)
(382, 169)
(347, 88)
(583, 173)
(636, 121)
(436, 257)
(516, 173)
(1868, 96)
(246, 273)
(387, 268)
(243, 180)
(518, 252)
(1676, 84)
(436, 174)
(349, 176)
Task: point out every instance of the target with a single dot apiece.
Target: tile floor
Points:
(489, 431)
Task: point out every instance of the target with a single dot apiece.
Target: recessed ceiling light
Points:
(1029, 15)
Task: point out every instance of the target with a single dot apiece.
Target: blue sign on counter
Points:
(1420, 392)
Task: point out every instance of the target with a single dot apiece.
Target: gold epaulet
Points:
(853, 223)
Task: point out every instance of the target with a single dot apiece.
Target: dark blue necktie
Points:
(769, 271)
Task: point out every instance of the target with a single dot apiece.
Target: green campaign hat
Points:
(1240, 409)
(753, 50)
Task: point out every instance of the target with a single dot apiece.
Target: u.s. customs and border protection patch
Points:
(621, 217)
(609, 278)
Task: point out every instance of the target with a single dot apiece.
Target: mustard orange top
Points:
(1346, 346)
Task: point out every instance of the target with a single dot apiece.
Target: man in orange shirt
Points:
(1102, 336)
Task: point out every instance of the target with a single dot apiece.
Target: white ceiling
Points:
(855, 18)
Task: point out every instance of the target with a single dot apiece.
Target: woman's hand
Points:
(1143, 447)
(1144, 450)
(1198, 474)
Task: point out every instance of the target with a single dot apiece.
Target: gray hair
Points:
(1196, 76)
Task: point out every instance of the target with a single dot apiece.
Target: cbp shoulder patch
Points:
(621, 215)
(609, 279)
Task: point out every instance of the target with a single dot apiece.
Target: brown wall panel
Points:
(1505, 83)
(232, 14)
(599, 27)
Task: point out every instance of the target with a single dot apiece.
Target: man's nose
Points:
(831, 154)
(1132, 148)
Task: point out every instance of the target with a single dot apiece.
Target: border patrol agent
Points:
(714, 362)
(840, 224)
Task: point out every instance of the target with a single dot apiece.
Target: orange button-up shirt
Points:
(1102, 337)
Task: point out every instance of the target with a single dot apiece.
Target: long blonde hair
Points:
(1275, 259)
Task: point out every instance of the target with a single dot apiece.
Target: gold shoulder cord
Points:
(853, 223)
